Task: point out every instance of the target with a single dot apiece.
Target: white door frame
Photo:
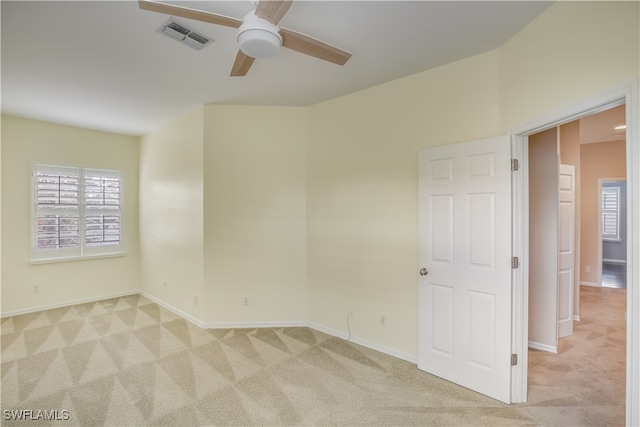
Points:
(628, 95)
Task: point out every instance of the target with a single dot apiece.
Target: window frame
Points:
(610, 237)
(82, 251)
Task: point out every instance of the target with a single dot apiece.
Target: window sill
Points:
(76, 258)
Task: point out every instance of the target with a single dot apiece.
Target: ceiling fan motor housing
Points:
(258, 38)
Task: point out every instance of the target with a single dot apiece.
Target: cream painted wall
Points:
(603, 160)
(572, 51)
(25, 142)
(171, 212)
(362, 193)
(255, 214)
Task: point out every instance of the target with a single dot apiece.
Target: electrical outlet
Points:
(351, 312)
(195, 299)
(164, 285)
(383, 320)
(36, 289)
(587, 269)
(246, 301)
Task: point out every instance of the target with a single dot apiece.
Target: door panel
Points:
(465, 243)
(482, 229)
(442, 319)
(441, 214)
(566, 233)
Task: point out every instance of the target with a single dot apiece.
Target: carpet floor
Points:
(129, 362)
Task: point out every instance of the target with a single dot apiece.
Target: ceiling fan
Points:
(258, 33)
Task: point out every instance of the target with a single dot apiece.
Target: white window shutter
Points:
(76, 213)
(56, 212)
(102, 211)
(611, 213)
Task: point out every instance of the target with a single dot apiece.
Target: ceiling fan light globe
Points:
(259, 43)
(258, 38)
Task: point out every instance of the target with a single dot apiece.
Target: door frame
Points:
(628, 95)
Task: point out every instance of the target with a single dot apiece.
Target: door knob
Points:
(424, 271)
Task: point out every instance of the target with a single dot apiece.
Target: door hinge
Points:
(514, 359)
(515, 165)
(515, 262)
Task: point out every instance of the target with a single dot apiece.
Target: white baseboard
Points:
(543, 347)
(256, 324)
(365, 343)
(191, 318)
(282, 324)
(576, 318)
(229, 325)
(223, 325)
(67, 303)
(590, 284)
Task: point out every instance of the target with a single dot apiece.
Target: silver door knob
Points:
(424, 271)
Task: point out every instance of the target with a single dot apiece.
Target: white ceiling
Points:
(102, 65)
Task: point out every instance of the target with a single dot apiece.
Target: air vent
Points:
(184, 34)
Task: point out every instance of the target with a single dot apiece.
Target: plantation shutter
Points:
(77, 213)
(610, 213)
(57, 209)
(102, 192)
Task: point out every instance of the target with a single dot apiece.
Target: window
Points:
(611, 213)
(77, 213)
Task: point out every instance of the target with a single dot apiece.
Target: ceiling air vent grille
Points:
(184, 34)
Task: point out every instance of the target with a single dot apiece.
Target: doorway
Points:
(592, 146)
(595, 146)
(625, 96)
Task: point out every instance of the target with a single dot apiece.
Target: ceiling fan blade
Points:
(313, 47)
(185, 12)
(241, 65)
(273, 10)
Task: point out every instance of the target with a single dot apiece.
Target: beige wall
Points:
(572, 51)
(255, 212)
(604, 160)
(171, 212)
(222, 199)
(362, 192)
(25, 142)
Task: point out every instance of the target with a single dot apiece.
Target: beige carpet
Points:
(129, 362)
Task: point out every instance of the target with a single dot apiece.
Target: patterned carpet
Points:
(128, 362)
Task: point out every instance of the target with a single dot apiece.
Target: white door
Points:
(465, 256)
(566, 230)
